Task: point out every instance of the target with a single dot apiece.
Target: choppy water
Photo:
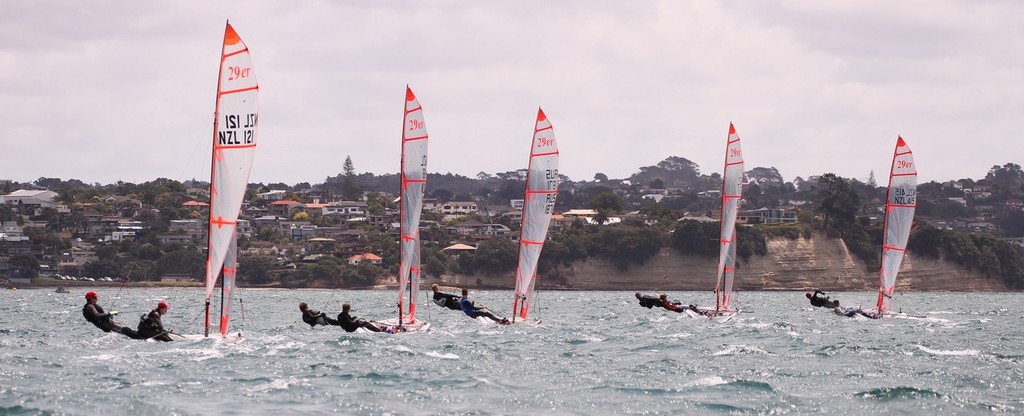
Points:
(594, 353)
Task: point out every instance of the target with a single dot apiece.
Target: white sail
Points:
(414, 180)
(538, 205)
(234, 144)
(732, 192)
(900, 204)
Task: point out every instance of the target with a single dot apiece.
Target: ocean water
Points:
(594, 353)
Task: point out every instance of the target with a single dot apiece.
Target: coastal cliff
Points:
(798, 264)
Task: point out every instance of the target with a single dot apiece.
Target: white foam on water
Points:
(948, 352)
(706, 381)
(442, 355)
(741, 349)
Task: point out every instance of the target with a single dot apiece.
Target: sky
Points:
(106, 91)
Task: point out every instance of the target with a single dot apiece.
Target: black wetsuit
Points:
(151, 326)
(649, 301)
(447, 300)
(314, 318)
(94, 313)
(470, 309)
(822, 301)
(350, 323)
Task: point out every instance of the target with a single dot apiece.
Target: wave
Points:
(741, 349)
(948, 352)
(18, 410)
(899, 393)
(443, 355)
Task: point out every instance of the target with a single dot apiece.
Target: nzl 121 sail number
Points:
(232, 124)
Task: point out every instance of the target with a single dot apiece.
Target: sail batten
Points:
(414, 180)
(538, 205)
(234, 144)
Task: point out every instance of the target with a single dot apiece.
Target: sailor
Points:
(151, 325)
(648, 301)
(103, 320)
(820, 300)
(351, 323)
(314, 317)
(446, 300)
(674, 306)
(469, 308)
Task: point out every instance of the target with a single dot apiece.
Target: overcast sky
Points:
(124, 90)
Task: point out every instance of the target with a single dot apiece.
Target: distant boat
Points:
(234, 145)
(61, 289)
(538, 205)
(732, 192)
(414, 181)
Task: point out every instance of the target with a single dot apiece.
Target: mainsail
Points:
(234, 144)
(538, 205)
(732, 192)
(899, 216)
(414, 180)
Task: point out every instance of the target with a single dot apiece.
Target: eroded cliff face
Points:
(789, 265)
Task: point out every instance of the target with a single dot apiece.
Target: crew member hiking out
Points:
(648, 301)
(674, 305)
(314, 317)
(469, 308)
(151, 325)
(94, 313)
(351, 323)
(446, 300)
(818, 299)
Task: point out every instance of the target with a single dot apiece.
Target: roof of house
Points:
(194, 203)
(459, 246)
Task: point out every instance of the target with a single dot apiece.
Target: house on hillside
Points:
(364, 257)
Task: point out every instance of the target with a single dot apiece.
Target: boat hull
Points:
(414, 326)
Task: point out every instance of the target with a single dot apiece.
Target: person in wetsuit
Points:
(446, 300)
(469, 308)
(818, 299)
(674, 306)
(94, 313)
(351, 323)
(648, 301)
(151, 325)
(314, 317)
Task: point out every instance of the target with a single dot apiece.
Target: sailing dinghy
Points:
(732, 190)
(414, 181)
(538, 205)
(234, 144)
(900, 204)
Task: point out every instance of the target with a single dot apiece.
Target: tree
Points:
(838, 201)
(607, 201)
(600, 177)
(350, 190)
(24, 265)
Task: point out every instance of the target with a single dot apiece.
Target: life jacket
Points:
(98, 320)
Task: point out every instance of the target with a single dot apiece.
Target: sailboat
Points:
(732, 192)
(234, 145)
(900, 204)
(538, 205)
(414, 180)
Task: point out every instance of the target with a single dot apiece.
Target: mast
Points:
(900, 204)
(538, 205)
(213, 171)
(732, 192)
(414, 180)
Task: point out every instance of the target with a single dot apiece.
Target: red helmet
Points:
(162, 305)
(91, 295)
(808, 294)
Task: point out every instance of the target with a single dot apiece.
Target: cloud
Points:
(117, 90)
